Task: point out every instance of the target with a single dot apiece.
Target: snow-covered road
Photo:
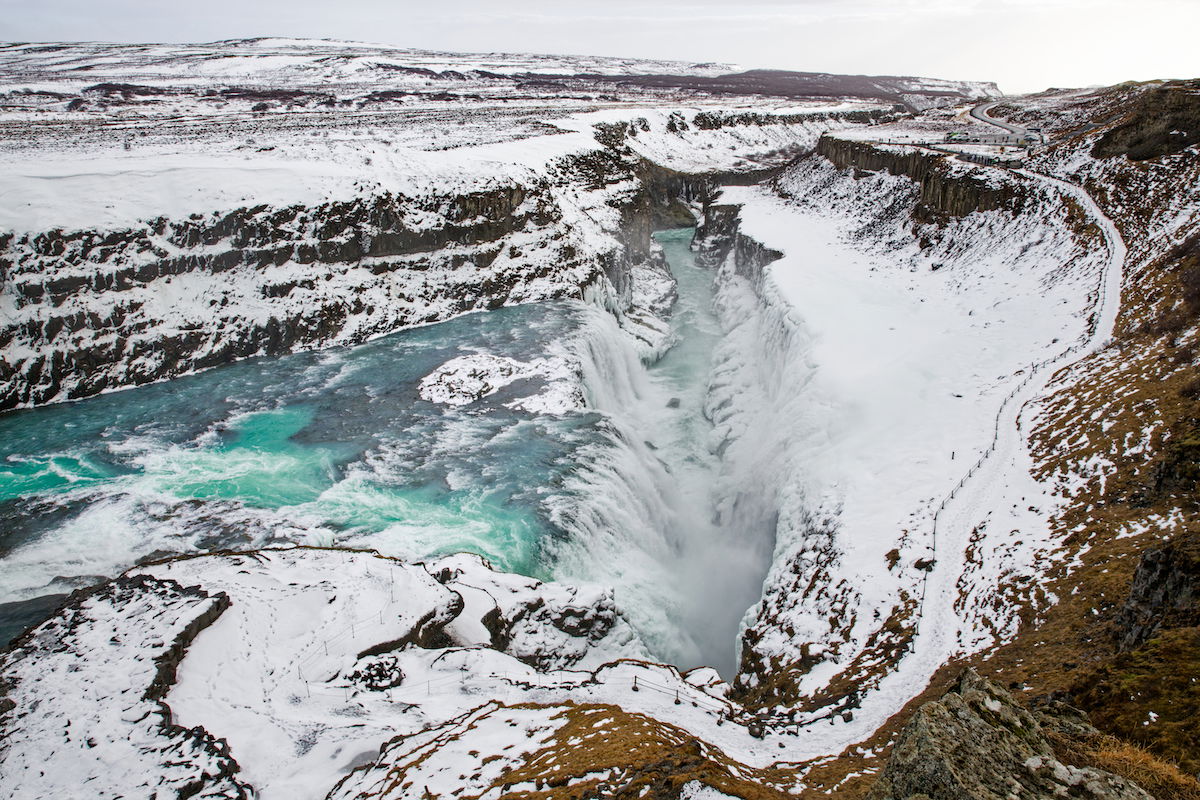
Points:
(985, 526)
(980, 112)
(942, 632)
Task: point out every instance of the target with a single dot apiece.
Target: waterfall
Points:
(640, 490)
(649, 508)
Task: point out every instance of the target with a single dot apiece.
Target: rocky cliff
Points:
(978, 742)
(719, 240)
(946, 190)
(96, 310)
(1165, 592)
(810, 647)
(89, 310)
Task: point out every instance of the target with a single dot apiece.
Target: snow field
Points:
(913, 368)
(83, 715)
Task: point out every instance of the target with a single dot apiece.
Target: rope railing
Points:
(682, 695)
(1088, 341)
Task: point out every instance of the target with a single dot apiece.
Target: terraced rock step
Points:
(978, 742)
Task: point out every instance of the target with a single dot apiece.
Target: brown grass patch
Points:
(1159, 777)
(603, 751)
(1136, 406)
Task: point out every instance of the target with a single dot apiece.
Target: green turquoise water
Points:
(260, 465)
(25, 476)
(313, 448)
(337, 447)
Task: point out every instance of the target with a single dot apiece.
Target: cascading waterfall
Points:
(337, 447)
(643, 510)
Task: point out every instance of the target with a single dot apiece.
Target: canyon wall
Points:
(86, 311)
(946, 188)
(97, 310)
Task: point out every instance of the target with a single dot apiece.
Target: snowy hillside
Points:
(418, 450)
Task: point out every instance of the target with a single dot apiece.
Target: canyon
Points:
(388, 423)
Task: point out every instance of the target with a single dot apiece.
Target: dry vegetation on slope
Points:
(570, 751)
(1134, 436)
(1119, 438)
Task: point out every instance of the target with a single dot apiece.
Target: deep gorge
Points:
(336, 447)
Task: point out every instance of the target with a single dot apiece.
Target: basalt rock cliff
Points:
(945, 191)
(978, 742)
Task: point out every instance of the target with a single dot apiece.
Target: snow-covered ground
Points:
(307, 670)
(900, 374)
(82, 709)
(108, 188)
(866, 397)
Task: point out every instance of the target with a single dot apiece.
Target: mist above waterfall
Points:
(642, 510)
(340, 447)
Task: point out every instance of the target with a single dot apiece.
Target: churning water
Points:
(337, 447)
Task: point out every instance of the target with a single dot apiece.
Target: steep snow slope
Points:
(889, 366)
(171, 219)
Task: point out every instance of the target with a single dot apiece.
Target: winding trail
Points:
(940, 629)
(980, 488)
(979, 491)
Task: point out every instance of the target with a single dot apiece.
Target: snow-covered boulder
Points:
(81, 706)
(468, 378)
(545, 625)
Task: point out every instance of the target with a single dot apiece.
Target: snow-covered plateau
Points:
(527, 426)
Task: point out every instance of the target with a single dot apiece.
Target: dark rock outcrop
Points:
(429, 632)
(978, 742)
(1146, 692)
(942, 192)
(1163, 121)
(1165, 592)
(719, 238)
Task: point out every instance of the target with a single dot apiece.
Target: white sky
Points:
(1024, 45)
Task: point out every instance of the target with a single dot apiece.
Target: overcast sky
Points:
(1024, 45)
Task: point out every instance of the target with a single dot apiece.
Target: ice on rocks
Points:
(466, 379)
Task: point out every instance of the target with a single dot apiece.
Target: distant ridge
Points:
(310, 61)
